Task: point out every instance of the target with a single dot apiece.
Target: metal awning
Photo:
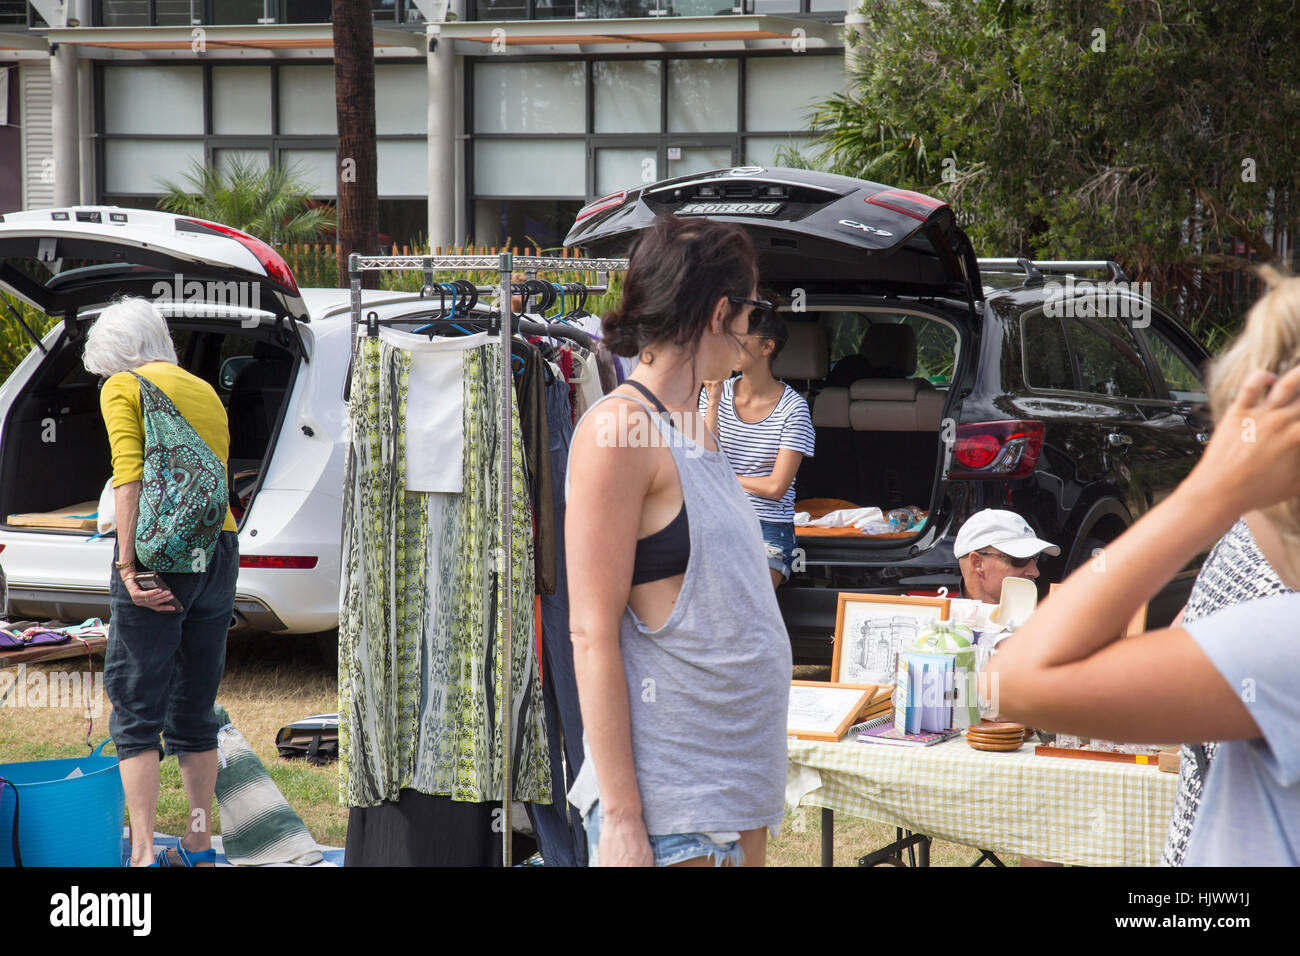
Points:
(639, 34)
(253, 41)
(15, 40)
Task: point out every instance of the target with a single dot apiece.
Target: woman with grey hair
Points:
(167, 640)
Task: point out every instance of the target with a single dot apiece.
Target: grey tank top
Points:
(708, 692)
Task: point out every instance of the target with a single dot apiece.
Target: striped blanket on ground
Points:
(257, 824)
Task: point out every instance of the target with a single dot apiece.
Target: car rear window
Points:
(1046, 356)
(936, 342)
(1107, 356)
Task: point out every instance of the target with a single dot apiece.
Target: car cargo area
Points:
(55, 459)
(876, 383)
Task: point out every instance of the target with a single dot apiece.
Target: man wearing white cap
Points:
(993, 545)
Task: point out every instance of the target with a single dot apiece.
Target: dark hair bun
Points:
(679, 269)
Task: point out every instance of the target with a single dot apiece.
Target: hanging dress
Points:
(420, 652)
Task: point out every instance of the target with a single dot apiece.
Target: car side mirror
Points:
(230, 370)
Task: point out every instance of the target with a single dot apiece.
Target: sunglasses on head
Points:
(1014, 562)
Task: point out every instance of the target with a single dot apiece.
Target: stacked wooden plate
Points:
(997, 736)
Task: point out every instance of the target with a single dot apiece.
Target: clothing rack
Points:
(505, 264)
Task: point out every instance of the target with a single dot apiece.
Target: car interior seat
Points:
(255, 400)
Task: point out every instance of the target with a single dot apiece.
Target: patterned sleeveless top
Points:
(1235, 572)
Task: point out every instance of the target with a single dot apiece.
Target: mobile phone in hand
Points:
(149, 581)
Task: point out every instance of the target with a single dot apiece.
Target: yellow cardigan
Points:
(119, 400)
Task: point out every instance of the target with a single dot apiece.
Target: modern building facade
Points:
(496, 119)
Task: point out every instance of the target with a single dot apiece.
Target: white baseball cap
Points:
(1004, 530)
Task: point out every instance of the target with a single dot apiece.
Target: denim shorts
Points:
(668, 850)
(778, 536)
(162, 669)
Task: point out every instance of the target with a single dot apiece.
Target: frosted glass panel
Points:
(543, 97)
(699, 159)
(555, 167)
(761, 150)
(316, 166)
(702, 96)
(624, 169)
(307, 100)
(779, 90)
(627, 96)
(403, 168)
(136, 166)
(153, 99)
(223, 159)
(241, 99)
(401, 99)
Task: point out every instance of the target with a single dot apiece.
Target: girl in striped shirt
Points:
(765, 430)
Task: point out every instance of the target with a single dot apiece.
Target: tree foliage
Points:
(1160, 134)
(273, 202)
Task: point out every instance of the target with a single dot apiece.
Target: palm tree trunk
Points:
(354, 96)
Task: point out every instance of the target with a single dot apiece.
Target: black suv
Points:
(945, 381)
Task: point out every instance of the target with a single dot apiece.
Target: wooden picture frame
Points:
(820, 710)
(870, 632)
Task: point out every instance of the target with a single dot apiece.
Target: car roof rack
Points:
(1034, 270)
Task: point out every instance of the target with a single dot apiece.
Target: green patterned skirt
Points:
(420, 648)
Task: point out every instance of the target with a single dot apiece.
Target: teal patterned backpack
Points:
(183, 495)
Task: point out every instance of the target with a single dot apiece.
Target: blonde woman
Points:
(1230, 676)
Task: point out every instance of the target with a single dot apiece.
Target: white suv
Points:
(278, 357)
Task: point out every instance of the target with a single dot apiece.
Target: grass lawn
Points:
(272, 681)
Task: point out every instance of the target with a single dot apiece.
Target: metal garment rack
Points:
(505, 264)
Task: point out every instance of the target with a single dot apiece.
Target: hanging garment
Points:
(435, 414)
(420, 830)
(559, 827)
(420, 657)
(586, 374)
(530, 393)
(605, 366)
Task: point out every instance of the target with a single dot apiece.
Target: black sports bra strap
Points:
(648, 394)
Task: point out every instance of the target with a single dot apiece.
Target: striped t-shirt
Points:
(751, 447)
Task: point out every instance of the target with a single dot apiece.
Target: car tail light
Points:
(276, 268)
(996, 449)
(277, 561)
(601, 204)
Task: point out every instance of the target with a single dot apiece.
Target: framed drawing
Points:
(870, 630)
(821, 711)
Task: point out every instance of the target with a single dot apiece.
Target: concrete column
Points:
(442, 139)
(65, 125)
(85, 99)
(85, 130)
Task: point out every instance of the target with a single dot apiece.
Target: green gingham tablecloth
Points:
(1064, 810)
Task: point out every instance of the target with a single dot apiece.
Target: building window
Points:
(780, 90)
(530, 97)
(154, 126)
(615, 9)
(627, 95)
(547, 133)
(702, 95)
(307, 100)
(136, 13)
(154, 99)
(241, 100)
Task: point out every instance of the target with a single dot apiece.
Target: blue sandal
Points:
(189, 858)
